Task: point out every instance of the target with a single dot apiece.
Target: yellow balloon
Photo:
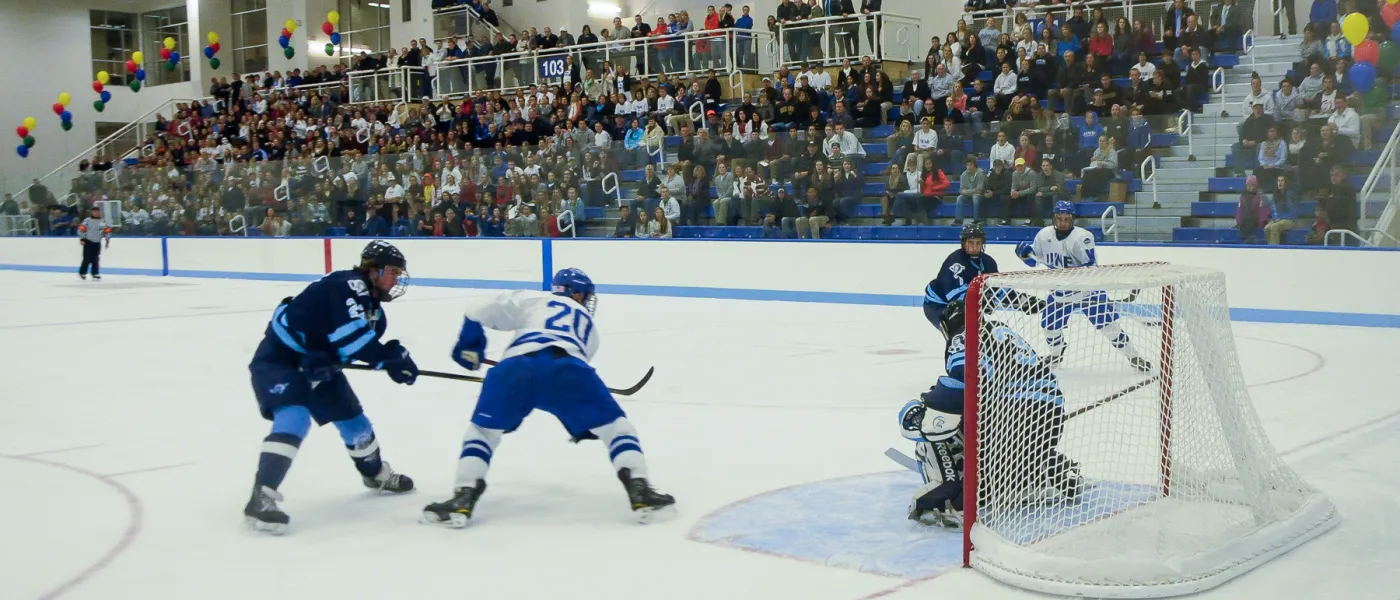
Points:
(170, 43)
(31, 123)
(334, 16)
(213, 38)
(64, 98)
(291, 24)
(103, 77)
(1391, 1)
(139, 57)
(1355, 27)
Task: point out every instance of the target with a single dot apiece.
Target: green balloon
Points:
(330, 50)
(135, 85)
(98, 105)
(289, 52)
(66, 125)
(214, 63)
(1390, 57)
(28, 141)
(169, 66)
(1375, 98)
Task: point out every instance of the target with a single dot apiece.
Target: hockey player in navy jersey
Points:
(1065, 246)
(1011, 376)
(297, 378)
(958, 270)
(545, 367)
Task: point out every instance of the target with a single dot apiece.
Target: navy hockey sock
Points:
(278, 450)
(361, 444)
(290, 424)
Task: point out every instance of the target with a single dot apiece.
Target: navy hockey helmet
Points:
(568, 282)
(971, 231)
(381, 254)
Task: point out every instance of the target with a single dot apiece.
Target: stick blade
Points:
(902, 459)
(638, 386)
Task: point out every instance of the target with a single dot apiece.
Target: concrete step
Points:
(1167, 198)
(1275, 51)
(1176, 186)
(1207, 130)
(1175, 211)
(1196, 175)
(1199, 149)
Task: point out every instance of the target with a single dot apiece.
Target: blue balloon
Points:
(335, 38)
(140, 76)
(23, 152)
(1363, 76)
(107, 96)
(66, 116)
(283, 40)
(174, 58)
(1395, 33)
(208, 52)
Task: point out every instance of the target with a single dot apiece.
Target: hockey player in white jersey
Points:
(1065, 246)
(545, 367)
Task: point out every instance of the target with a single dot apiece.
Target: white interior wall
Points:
(555, 14)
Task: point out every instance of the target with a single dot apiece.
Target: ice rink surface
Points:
(129, 437)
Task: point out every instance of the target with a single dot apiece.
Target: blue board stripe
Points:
(547, 264)
(164, 256)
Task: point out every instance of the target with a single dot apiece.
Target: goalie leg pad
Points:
(939, 500)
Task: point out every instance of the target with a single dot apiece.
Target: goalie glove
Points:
(920, 423)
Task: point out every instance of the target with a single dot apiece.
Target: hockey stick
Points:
(913, 465)
(457, 377)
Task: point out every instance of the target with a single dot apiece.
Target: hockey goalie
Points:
(1014, 377)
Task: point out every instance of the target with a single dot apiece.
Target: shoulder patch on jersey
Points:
(957, 268)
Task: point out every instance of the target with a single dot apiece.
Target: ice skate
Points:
(97, 278)
(648, 505)
(946, 517)
(389, 481)
(457, 512)
(262, 512)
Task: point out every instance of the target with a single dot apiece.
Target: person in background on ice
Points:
(93, 234)
(296, 375)
(545, 367)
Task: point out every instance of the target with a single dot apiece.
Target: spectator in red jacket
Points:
(1252, 212)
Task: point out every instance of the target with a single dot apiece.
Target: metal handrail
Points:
(471, 14)
(1150, 161)
(1247, 47)
(571, 228)
(736, 82)
(659, 151)
(1108, 221)
(242, 226)
(1217, 85)
(1387, 159)
(615, 188)
(901, 36)
(1342, 235)
(1184, 125)
(697, 111)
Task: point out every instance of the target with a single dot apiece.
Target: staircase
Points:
(1183, 169)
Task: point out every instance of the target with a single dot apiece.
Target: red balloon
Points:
(130, 66)
(1367, 52)
(327, 28)
(165, 53)
(58, 108)
(215, 46)
(97, 86)
(1391, 14)
(22, 131)
(285, 33)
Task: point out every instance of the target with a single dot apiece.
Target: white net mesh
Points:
(1117, 453)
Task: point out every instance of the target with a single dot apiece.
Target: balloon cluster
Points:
(212, 49)
(138, 75)
(332, 19)
(25, 133)
(60, 108)
(103, 78)
(168, 53)
(285, 40)
(1373, 59)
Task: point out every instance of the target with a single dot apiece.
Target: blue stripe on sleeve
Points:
(279, 327)
(932, 296)
(350, 349)
(347, 329)
(957, 292)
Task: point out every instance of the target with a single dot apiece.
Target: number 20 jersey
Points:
(539, 320)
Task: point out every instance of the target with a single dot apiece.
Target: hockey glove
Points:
(1024, 250)
(471, 345)
(318, 367)
(398, 363)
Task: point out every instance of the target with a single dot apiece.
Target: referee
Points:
(91, 233)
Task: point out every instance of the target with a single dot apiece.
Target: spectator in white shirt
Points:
(847, 146)
(601, 139)
(1145, 68)
(1005, 85)
(1002, 150)
(925, 142)
(394, 192)
(1347, 122)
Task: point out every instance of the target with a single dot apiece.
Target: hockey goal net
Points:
(1089, 473)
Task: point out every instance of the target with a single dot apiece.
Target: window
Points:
(155, 27)
(407, 11)
(114, 37)
(364, 27)
(249, 36)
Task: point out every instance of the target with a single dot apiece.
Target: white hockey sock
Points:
(478, 445)
(623, 448)
(1114, 332)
